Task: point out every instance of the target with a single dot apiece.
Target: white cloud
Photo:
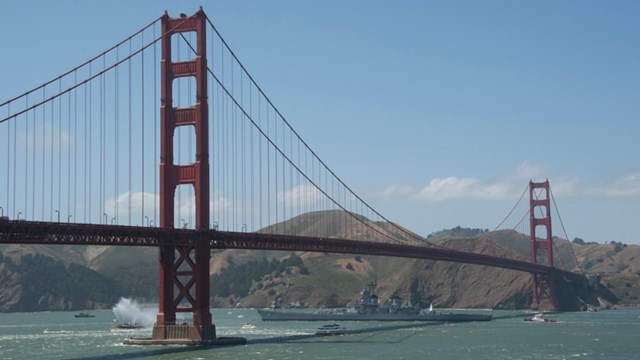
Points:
(625, 186)
(462, 188)
(528, 171)
(565, 186)
(126, 205)
(394, 191)
(507, 186)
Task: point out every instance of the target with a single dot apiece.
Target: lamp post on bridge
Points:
(147, 220)
(58, 213)
(106, 218)
(18, 217)
(69, 219)
(113, 221)
(1, 213)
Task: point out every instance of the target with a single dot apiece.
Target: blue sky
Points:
(436, 113)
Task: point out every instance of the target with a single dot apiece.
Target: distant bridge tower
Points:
(544, 293)
(184, 270)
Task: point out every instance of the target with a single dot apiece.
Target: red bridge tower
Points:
(184, 271)
(544, 293)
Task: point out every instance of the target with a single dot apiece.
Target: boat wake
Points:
(130, 312)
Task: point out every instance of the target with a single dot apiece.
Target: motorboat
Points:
(248, 326)
(84, 315)
(331, 329)
(539, 318)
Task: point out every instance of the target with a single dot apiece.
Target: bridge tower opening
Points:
(544, 294)
(184, 270)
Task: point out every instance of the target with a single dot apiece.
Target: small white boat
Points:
(248, 326)
(332, 329)
(539, 318)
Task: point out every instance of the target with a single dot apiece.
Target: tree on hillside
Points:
(578, 241)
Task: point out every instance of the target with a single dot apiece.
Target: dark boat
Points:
(84, 315)
(128, 326)
(369, 310)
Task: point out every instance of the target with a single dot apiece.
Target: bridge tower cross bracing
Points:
(184, 270)
(543, 284)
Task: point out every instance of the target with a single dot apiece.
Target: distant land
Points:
(66, 277)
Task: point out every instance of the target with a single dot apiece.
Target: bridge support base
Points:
(186, 331)
(221, 341)
(186, 334)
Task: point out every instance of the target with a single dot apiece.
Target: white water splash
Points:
(129, 311)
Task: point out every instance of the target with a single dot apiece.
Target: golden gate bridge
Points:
(166, 140)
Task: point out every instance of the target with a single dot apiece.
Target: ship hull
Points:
(274, 315)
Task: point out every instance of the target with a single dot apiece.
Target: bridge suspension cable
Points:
(71, 131)
(564, 231)
(497, 241)
(95, 120)
(305, 164)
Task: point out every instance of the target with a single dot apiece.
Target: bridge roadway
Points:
(30, 232)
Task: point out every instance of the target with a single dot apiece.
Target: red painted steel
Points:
(28, 232)
(543, 284)
(189, 272)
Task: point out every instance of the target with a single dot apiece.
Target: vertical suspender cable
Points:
(103, 152)
(223, 145)
(9, 156)
(220, 152)
(69, 156)
(52, 162)
(101, 142)
(85, 153)
(260, 158)
(130, 149)
(234, 163)
(88, 152)
(44, 141)
(269, 221)
(26, 161)
(75, 144)
(242, 148)
(142, 132)
(251, 174)
(276, 173)
(33, 167)
(116, 121)
(59, 167)
(155, 130)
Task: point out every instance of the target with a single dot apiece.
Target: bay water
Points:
(610, 334)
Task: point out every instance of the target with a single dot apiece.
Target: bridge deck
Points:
(29, 232)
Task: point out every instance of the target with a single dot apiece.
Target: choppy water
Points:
(600, 335)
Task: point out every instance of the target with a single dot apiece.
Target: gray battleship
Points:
(368, 309)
